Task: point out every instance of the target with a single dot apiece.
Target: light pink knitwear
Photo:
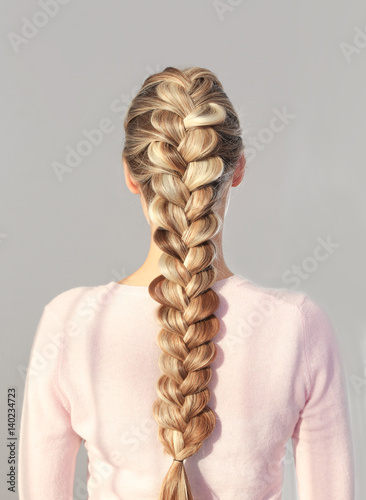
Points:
(92, 376)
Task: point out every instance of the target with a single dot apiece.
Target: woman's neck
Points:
(150, 268)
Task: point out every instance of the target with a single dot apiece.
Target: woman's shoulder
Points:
(254, 292)
(252, 296)
(284, 309)
(79, 300)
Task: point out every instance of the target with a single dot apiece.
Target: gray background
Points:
(303, 184)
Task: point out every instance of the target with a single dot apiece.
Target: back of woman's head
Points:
(182, 144)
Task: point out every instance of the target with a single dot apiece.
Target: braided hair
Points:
(182, 143)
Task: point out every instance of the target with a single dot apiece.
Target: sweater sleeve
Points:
(322, 442)
(48, 444)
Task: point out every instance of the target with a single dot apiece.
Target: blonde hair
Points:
(182, 143)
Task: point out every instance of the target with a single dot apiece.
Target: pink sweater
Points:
(92, 376)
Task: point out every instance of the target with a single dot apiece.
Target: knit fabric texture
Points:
(278, 379)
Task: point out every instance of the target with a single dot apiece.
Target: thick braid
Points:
(182, 185)
(182, 208)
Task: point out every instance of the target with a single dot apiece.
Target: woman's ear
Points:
(132, 186)
(239, 171)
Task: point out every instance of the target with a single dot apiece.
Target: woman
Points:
(185, 380)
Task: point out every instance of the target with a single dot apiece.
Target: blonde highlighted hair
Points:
(182, 144)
